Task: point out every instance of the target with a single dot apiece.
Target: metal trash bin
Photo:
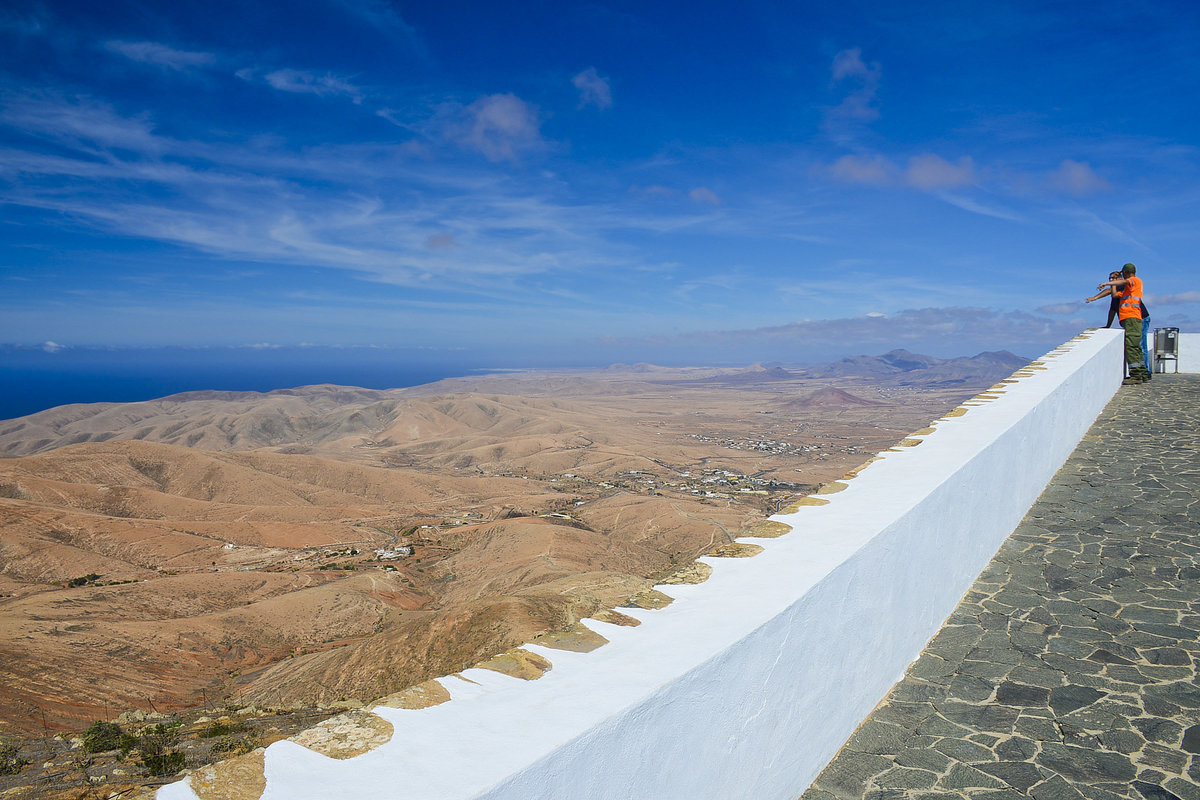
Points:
(1166, 348)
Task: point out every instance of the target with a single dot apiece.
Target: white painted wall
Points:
(1189, 353)
(748, 684)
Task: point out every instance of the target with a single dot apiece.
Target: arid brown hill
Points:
(831, 398)
(314, 544)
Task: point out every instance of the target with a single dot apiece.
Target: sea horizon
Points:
(36, 380)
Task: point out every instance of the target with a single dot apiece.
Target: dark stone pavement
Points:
(1070, 668)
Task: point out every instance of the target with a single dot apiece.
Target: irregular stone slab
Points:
(1055, 788)
(1065, 699)
(1020, 775)
(1085, 764)
(1016, 694)
(346, 735)
(1152, 791)
(906, 778)
(962, 776)
(1106, 657)
(1191, 739)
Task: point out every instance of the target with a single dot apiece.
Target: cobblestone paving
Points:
(1069, 670)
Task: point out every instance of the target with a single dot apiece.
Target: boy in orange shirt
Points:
(1130, 314)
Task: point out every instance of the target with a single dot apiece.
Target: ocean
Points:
(34, 379)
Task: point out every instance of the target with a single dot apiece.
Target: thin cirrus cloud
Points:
(874, 170)
(300, 81)
(593, 90)
(161, 55)
(910, 327)
(1060, 309)
(254, 200)
(1177, 299)
(440, 241)
(927, 171)
(296, 81)
(382, 17)
(1077, 179)
(859, 81)
(499, 126)
(82, 123)
(1152, 299)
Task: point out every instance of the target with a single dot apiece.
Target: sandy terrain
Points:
(324, 543)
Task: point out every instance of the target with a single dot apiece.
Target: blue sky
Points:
(567, 183)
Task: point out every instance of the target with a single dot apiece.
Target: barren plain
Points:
(327, 544)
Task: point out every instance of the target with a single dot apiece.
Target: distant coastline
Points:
(33, 380)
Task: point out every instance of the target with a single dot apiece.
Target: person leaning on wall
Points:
(1129, 312)
(1114, 305)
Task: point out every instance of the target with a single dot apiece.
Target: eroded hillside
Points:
(324, 543)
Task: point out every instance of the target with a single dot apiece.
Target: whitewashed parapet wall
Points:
(1189, 353)
(748, 683)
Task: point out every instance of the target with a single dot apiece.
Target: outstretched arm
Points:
(1105, 293)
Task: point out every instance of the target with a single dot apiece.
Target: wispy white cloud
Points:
(306, 82)
(1179, 298)
(1090, 220)
(976, 207)
(924, 325)
(653, 190)
(23, 22)
(440, 241)
(83, 123)
(476, 230)
(1060, 309)
(1076, 178)
(849, 70)
(702, 194)
(500, 126)
(160, 55)
(593, 90)
(872, 170)
(383, 17)
(929, 171)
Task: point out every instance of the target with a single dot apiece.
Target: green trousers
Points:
(1135, 359)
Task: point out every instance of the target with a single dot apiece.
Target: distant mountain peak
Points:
(906, 367)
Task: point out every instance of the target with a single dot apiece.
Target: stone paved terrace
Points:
(1070, 668)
